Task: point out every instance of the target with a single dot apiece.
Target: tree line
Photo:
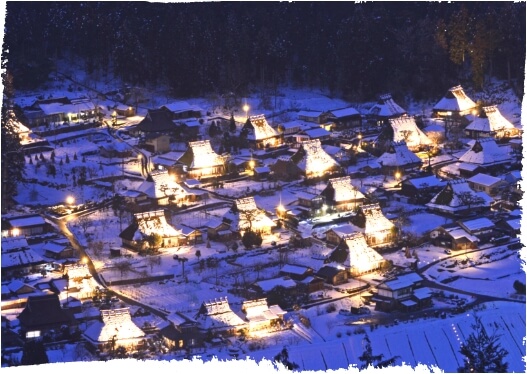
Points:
(356, 51)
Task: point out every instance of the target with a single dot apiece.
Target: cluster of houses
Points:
(318, 146)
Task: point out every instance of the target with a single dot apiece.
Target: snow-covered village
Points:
(292, 227)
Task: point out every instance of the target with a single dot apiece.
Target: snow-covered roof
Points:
(316, 161)
(262, 129)
(318, 132)
(294, 269)
(309, 113)
(375, 219)
(345, 230)
(344, 190)
(26, 221)
(492, 122)
(161, 185)
(20, 258)
(268, 284)
(455, 100)
(455, 195)
(429, 181)
(116, 324)
(203, 155)
(477, 224)
(486, 152)
(361, 256)
(459, 233)
(54, 247)
(345, 112)
(398, 155)
(484, 179)
(515, 224)
(386, 107)
(405, 129)
(155, 222)
(14, 243)
(258, 310)
(258, 219)
(78, 271)
(75, 106)
(181, 106)
(218, 314)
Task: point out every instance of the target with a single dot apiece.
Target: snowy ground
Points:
(330, 344)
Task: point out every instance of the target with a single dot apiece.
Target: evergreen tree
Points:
(34, 353)
(283, 358)
(13, 162)
(370, 359)
(483, 352)
(232, 124)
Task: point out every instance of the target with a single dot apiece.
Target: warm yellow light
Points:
(397, 175)
(70, 200)
(246, 108)
(251, 164)
(139, 156)
(360, 136)
(85, 260)
(15, 232)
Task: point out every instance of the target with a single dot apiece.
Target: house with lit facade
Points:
(340, 195)
(261, 316)
(405, 130)
(147, 223)
(115, 328)
(252, 218)
(314, 161)
(398, 159)
(379, 231)
(218, 317)
(491, 123)
(356, 255)
(260, 134)
(454, 105)
(201, 161)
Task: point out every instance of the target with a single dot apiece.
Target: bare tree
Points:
(85, 223)
(123, 266)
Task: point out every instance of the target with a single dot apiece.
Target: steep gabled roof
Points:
(398, 155)
(116, 324)
(455, 194)
(157, 120)
(261, 129)
(492, 121)
(486, 152)
(159, 184)
(405, 129)
(361, 256)
(43, 310)
(375, 219)
(344, 190)
(315, 160)
(455, 100)
(200, 154)
(386, 107)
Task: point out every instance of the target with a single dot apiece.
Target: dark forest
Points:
(355, 51)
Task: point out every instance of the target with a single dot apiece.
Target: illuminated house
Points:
(148, 223)
(357, 256)
(398, 158)
(314, 161)
(454, 104)
(161, 189)
(378, 230)
(217, 315)
(61, 109)
(405, 130)
(260, 316)
(157, 121)
(250, 217)
(115, 328)
(385, 109)
(260, 133)
(491, 124)
(341, 195)
(18, 259)
(458, 199)
(202, 161)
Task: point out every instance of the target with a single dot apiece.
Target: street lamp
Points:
(114, 118)
(246, 109)
(70, 200)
